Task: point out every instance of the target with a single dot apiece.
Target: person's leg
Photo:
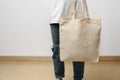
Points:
(78, 69)
(58, 65)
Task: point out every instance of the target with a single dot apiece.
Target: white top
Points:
(61, 9)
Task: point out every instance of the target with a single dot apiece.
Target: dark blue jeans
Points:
(78, 67)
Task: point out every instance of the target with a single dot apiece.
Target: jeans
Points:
(78, 67)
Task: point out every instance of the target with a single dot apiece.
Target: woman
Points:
(61, 9)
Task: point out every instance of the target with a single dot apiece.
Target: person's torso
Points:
(61, 9)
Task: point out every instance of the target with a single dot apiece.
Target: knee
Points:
(55, 50)
(55, 47)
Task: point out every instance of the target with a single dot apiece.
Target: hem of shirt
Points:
(54, 21)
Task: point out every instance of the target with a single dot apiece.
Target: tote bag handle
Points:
(73, 8)
(86, 9)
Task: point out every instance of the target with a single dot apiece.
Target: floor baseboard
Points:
(102, 58)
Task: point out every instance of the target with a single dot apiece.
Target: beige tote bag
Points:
(80, 38)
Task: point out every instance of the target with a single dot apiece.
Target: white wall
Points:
(25, 30)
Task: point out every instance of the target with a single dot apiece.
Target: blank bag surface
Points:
(80, 38)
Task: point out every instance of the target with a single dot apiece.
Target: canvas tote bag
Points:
(80, 38)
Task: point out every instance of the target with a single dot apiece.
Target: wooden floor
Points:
(43, 70)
